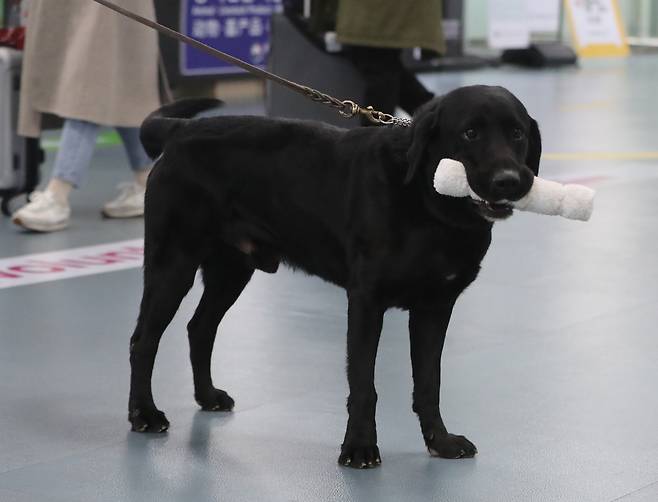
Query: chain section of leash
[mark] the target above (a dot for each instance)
(382, 118)
(349, 109)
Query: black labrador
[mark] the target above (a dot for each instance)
(356, 207)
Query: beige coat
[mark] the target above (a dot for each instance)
(86, 62)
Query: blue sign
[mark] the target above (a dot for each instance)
(240, 28)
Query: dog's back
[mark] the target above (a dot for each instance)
(277, 187)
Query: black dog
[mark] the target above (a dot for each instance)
(356, 208)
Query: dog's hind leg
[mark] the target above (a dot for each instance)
(225, 274)
(168, 275)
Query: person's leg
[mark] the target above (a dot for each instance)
(381, 70)
(49, 210)
(413, 94)
(130, 201)
(140, 163)
(77, 146)
(388, 82)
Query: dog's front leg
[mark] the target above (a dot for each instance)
(364, 325)
(427, 330)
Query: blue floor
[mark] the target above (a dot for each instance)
(550, 368)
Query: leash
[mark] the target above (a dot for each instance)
(346, 108)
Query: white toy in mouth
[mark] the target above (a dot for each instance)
(575, 202)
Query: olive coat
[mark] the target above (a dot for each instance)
(382, 23)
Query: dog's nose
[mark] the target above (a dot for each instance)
(506, 183)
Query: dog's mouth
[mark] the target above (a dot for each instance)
(493, 211)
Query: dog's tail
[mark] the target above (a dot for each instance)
(160, 125)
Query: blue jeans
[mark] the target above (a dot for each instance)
(77, 147)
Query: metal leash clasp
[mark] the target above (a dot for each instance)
(352, 107)
(377, 117)
(374, 116)
(381, 118)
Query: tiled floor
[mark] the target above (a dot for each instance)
(551, 364)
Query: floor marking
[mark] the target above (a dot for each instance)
(65, 264)
(601, 156)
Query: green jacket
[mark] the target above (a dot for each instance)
(382, 23)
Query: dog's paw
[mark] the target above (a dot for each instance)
(360, 457)
(148, 420)
(217, 400)
(450, 446)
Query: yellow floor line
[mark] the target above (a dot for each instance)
(600, 156)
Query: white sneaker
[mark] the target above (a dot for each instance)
(43, 213)
(128, 204)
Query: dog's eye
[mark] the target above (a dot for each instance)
(517, 134)
(470, 135)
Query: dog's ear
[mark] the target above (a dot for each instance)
(425, 127)
(534, 147)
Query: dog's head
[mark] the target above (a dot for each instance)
(488, 130)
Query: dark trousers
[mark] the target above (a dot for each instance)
(388, 83)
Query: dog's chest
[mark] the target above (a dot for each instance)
(444, 267)
(435, 265)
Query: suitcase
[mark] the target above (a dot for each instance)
(12, 20)
(20, 158)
